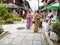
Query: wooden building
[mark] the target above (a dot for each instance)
(19, 6)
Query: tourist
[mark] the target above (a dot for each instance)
(45, 25)
(29, 20)
(36, 19)
(41, 20)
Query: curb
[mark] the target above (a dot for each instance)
(3, 33)
(48, 39)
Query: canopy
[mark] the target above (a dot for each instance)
(50, 7)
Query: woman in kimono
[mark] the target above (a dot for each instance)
(41, 20)
(36, 21)
(29, 20)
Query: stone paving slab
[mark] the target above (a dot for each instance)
(6, 41)
(37, 36)
(6, 44)
(2, 44)
(37, 43)
(27, 42)
(13, 36)
(9, 36)
(29, 36)
(18, 40)
(20, 33)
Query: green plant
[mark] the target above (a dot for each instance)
(17, 19)
(9, 20)
(4, 12)
(56, 28)
(1, 21)
(8, 15)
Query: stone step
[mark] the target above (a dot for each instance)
(48, 39)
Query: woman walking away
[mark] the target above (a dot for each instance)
(29, 20)
(36, 19)
(45, 25)
(41, 20)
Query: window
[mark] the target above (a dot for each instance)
(19, 2)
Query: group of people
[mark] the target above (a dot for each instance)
(37, 19)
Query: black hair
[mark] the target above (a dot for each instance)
(51, 16)
(29, 11)
(50, 10)
(37, 11)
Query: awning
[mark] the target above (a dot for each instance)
(51, 7)
(44, 9)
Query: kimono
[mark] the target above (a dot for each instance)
(29, 21)
(41, 20)
(36, 22)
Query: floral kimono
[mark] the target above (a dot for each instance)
(29, 21)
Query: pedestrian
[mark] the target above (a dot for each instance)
(45, 25)
(29, 19)
(36, 19)
(49, 19)
(41, 20)
(50, 16)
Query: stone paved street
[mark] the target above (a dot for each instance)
(20, 38)
(23, 37)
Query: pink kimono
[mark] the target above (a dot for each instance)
(29, 21)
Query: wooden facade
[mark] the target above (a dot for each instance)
(9, 1)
